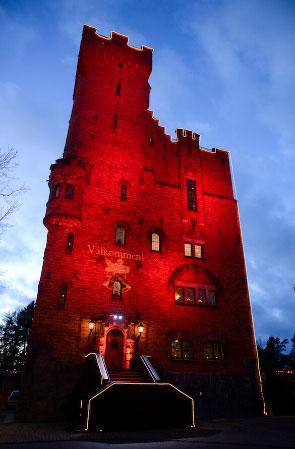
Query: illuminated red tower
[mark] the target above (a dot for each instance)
(144, 252)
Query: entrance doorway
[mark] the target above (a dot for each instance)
(114, 350)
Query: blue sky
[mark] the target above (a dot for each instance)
(225, 69)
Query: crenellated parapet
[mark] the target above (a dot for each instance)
(66, 191)
(188, 137)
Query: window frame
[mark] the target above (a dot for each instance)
(216, 347)
(182, 342)
(70, 242)
(191, 194)
(123, 242)
(117, 296)
(156, 249)
(69, 192)
(54, 191)
(183, 290)
(193, 252)
(123, 193)
(63, 294)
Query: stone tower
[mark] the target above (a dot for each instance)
(144, 252)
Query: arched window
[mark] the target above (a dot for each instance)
(155, 242)
(54, 191)
(213, 351)
(70, 243)
(117, 289)
(182, 349)
(120, 236)
(63, 292)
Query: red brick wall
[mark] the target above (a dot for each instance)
(155, 173)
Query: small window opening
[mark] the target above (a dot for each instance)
(120, 65)
(115, 121)
(191, 194)
(120, 236)
(118, 90)
(155, 242)
(198, 251)
(117, 289)
(123, 192)
(70, 243)
(63, 291)
(179, 295)
(188, 249)
(151, 141)
(69, 191)
(54, 191)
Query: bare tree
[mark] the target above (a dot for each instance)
(9, 193)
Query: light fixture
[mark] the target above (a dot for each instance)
(91, 326)
(140, 328)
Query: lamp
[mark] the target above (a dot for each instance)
(140, 328)
(91, 326)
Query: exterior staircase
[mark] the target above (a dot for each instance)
(126, 376)
(147, 402)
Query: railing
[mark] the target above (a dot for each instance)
(149, 369)
(100, 364)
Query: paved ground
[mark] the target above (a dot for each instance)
(256, 433)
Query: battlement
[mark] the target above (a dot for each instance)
(73, 162)
(115, 38)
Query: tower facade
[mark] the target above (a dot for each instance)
(144, 252)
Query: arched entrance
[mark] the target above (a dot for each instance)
(114, 350)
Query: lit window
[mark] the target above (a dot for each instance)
(117, 289)
(118, 90)
(201, 295)
(155, 242)
(198, 251)
(182, 349)
(69, 191)
(213, 351)
(179, 295)
(123, 192)
(70, 243)
(191, 194)
(54, 191)
(62, 294)
(115, 120)
(120, 236)
(190, 296)
(188, 249)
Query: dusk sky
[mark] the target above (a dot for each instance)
(225, 69)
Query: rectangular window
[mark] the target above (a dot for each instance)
(118, 90)
(62, 294)
(123, 192)
(191, 194)
(188, 249)
(179, 295)
(115, 121)
(69, 191)
(198, 251)
(155, 242)
(211, 298)
(190, 296)
(201, 296)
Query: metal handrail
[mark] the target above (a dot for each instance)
(104, 375)
(149, 368)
